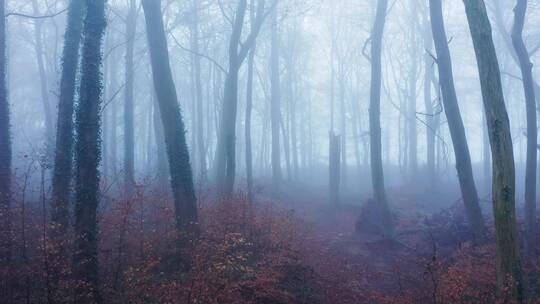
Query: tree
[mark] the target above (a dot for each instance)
(226, 147)
(249, 109)
(87, 153)
(196, 62)
(455, 124)
(62, 172)
(431, 117)
(509, 276)
(129, 137)
(532, 132)
(275, 99)
(40, 60)
(377, 174)
(183, 190)
(5, 165)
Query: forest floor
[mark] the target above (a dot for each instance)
(290, 246)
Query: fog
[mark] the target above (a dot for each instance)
(269, 151)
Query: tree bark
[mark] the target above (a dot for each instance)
(275, 99)
(5, 168)
(509, 276)
(532, 133)
(196, 60)
(431, 127)
(455, 124)
(64, 134)
(129, 137)
(377, 175)
(249, 110)
(173, 125)
(226, 147)
(87, 154)
(47, 109)
(62, 172)
(334, 168)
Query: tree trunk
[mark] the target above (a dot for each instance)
(194, 39)
(47, 109)
(129, 137)
(509, 276)
(5, 168)
(275, 100)
(249, 110)
(334, 168)
(455, 124)
(532, 133)
(62, 172)
(87, 156)
(226, 147)
(412, 80)
(64, 134)
(379, 191)
(431, 128)
(185, 202)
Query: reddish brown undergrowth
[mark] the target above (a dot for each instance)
(255, 253)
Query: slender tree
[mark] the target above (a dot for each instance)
(275, 98)
(455, 123)
(42, 71)
(226, 147)
(532, 133)
(509, 276)
(185, 202)
(87, 153)
(5, 166)
(249, 110)
(62, 172)
(129, 107)
(377, 175)
(431, 116)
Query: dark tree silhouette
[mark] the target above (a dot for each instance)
(455, 123)
(87, 153)
(275, 98)
(62, 172)
(226, 147)
(509, 276)
(526, 65)
(185, 202)
(5, 165)
(129, 137)
(377, 175)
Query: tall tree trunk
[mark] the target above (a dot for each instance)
(47, 109)
(508, 257)
(161, 159)
(412, 80)
(343, 124)
(431, 128)
(226, 147)
(129, 137)
(532, 133)
(455, 124)
(5, 168)
(196, 60)
(334, 167)
(275, 100)
(87, 155)
(183, 190)
(377, 175)
(249, 110)
(62, 172)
